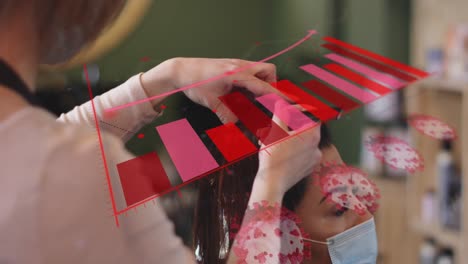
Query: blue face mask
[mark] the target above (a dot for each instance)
(357, 245)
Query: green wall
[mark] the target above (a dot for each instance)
(365, 26)
(178, 28)
(381, 26)
(210, 28)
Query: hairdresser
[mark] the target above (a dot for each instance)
(54, 207)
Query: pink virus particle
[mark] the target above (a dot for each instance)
(347, 187)
(432, 127)
(141, 136)
(161, 109)
(145, 59)
(258, 43)
(270, 234)
(395, 152)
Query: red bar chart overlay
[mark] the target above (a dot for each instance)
(142, 177)
(253, 118)
(190, 156)
(369, 62)
(316, 107)
(332, 96)
(378, 57)
(352, 78)
(231, 142)
(354, 91)
(358, 79)
(388, 80)
(291, 116)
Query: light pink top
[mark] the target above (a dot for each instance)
(54, 203)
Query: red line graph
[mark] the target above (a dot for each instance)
(215, 78)
(101, 146)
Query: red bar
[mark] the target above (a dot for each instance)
(253, 118)
(378, 57)
(231, 142)
(356, 78)
(362, 95)
(369, 62)
(332, 96)
(142, 177)
(319, 109)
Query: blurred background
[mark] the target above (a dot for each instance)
(421, 215)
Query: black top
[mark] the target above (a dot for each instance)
(10, 79)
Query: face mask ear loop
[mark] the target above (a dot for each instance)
(316, 241)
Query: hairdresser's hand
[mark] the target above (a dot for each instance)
(218, 77)
(284, 164)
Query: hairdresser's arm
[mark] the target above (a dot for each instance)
(168, 77)
(125, 122)
(280, 168)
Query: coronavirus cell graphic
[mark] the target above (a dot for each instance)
(270, 234)
(432, 127)
(347, 187)
(396, 153)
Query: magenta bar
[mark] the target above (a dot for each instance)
(190, 156)
(377, 57)
(356, 92)
(386, 79)
(291, 116)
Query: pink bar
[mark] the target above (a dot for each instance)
(190, 156)
(292, 117)
(388, 80)
(341, 84)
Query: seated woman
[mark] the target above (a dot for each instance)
(223, 198)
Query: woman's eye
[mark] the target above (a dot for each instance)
(340, 212)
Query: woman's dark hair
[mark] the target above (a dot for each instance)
(222, 200)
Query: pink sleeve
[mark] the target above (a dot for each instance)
(122, 123)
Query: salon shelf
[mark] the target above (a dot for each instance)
(443, 236)
(437, 83)
(447, 100)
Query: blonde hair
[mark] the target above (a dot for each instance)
(52, 16)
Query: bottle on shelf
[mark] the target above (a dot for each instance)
(429, 207)
(449, 187)
(428, 251)
(445, 256)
